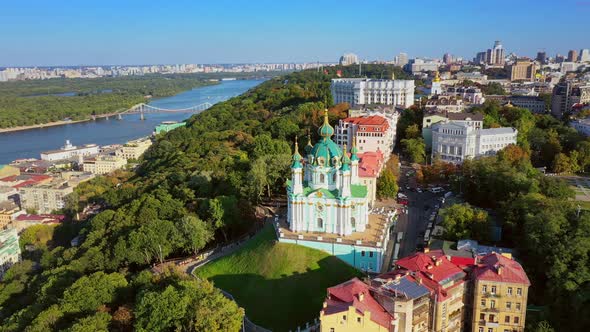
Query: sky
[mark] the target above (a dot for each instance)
(92, 32)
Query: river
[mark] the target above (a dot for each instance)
(30, 143)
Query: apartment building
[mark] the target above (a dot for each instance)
(103, 164)
(45, 198)
(523, 70)
(472, 95)
(134, 149)
(9, 250)
(372, 133)
(365, 91)
(350, 307)
(500, 290)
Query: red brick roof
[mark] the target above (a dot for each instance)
(348, 294)
(510, 270)
(44, 218)
(370, 163)
(369, 123)
(431, 269)
(26, 179)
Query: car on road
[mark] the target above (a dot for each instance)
(437, 190)
(419, 190)
(403, 201)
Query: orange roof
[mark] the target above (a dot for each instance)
(370, 123)
(370, 163)
(433, 269)
(496, 267)
(26, 179)
(356, 293)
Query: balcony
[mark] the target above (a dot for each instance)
(490, 310)
(491, 295)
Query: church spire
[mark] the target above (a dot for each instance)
(353, 150)
(296, 156)
(326, 131)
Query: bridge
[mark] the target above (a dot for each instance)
(143, 109)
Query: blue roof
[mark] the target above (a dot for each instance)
(409, 288)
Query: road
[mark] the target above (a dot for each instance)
(413, 223)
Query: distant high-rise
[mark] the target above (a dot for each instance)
(572, 56)
(584, 55)
(541, 57)
(493, 56)
(559, 58)
(447, 58)
(349, 59)
(523, 70)
(401, 60)
(480, 58)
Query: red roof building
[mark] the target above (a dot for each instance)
(17, 181)
(370, 164)
(498, 268)
(353, 298)
(371, 133)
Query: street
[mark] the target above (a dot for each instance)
(420, 206)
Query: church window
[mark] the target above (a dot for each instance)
(334, 178)
(353, 222)
(320, 223)
(322, 178)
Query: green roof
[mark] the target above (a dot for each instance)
(327, 149)
(358, 191)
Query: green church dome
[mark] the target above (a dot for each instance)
(326, 130)
(325, 151)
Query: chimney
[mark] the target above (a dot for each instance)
(419, 280)
(438, 262)
(325, 305)
(361, 296)
(426, 250)
(500, 268)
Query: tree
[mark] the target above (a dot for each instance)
(462, 221)
(88, 293)
(98, 322)
(562, 164)
(493, 89)
(415, 149)
(551, 147)
(413, 131)
(386, 185)
(195, 232)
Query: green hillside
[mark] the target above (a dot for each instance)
(280, 285)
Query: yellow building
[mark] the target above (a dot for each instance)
(6, 170)
(7, 211)
(134, 149)
(350, 307)
(103, 164)
(523, 70)
(500, 293)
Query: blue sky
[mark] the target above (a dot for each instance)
(61, 32)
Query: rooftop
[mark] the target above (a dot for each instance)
(465, 116)
(370, 164)
(496, 267)
(401, 285)
(497, 131)
(373, 120)
(356, 293)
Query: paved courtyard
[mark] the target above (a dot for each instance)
(581, 185)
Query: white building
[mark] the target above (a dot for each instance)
(472, 95)
(103, 164)
(370, 133)
(69, 151)
(9, 250)
(365, 91)
(401, 59)
(582, 126)
(457, 141)
(134, 149)
(584, 55)
(349, 59)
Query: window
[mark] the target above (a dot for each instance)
(492, 304)
(484, 288)
(353, 222)
(320, 223)
(518, 306)
(363, 253)
(507, 319)
(331, 329)
(344, 317)
(519, 291)
(481, 329)
(370, 254)
(322, 178)
(490, 329)
(334, 178)
(493, 290)
(483, 303)
(358, 320)
(516, 319)
(509, 290)
(508, 305)
(482, 316)
(492, 318)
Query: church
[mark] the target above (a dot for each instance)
(324, 193)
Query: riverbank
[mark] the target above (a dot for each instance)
(54, 124)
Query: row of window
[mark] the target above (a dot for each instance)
(452, 132)
(492, 318)
(493, 290)
(497, 138)
(320, 225)
(481, 329)
(508, 304)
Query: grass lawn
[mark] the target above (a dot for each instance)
(279, 285)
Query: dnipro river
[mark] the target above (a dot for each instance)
(30, 143)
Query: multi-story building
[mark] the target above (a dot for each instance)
(370, 166)
(534, 104)
(8, 210)
(582, 126)
(406, 298)
(401, 59)
(45, 198)
(470, 94)
(500, 291)
(166, 126)
(9, 250)
(474, 120)
(103, 164)
(495, 56)
(421, 65)
(523, 70)
(572, 56)
(372, 133)
(456, 141)
(134, 149)
(446, 282)
(542, 57)
(564, 96)
(69, 151)
(350, 307)
(445, 103)
(584, 55)
(365, 91)
(349, 59)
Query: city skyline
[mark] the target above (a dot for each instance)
(109, 33)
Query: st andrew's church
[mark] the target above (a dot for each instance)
(324, 194)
